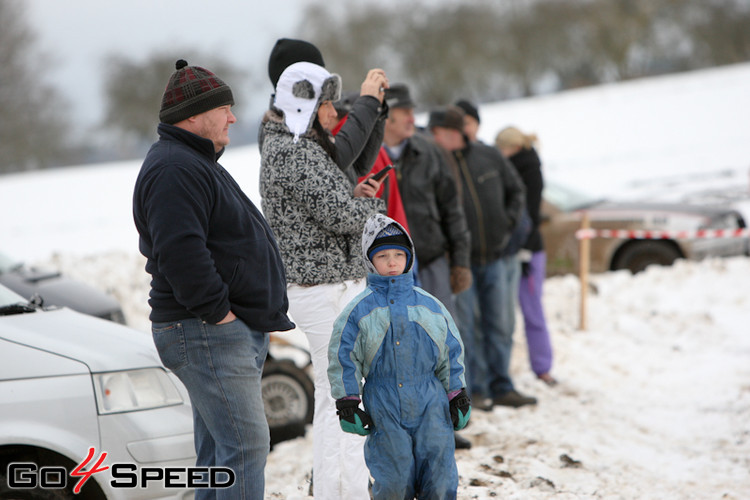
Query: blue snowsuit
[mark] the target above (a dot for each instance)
(405, 345)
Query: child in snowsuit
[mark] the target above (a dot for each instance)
(405, 345)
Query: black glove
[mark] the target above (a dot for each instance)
(351, 418)
(460, 408)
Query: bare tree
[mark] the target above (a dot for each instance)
(721, 31)
(33, 131)
(489, 50)
(134, 90)
(353, 44)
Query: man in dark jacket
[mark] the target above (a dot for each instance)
(493, 199)
(431, 200)
(217, 278)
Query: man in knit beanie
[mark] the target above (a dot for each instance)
(192, 91)
(218, 283)
(471, 119)
(493, 202)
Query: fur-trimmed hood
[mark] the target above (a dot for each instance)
(373, 226)
(301, 89)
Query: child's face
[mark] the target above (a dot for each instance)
(390, 262)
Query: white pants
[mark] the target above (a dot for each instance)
(339, 469)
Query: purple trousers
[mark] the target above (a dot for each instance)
(535, 324)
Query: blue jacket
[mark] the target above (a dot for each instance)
(405, 344)
(208, 248)
(393, 322)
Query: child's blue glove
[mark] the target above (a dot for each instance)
(460, 407)
(351, 418)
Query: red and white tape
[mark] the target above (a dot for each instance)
(583, 234)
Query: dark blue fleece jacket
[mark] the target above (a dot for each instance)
(209, 249)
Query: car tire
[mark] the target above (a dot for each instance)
(637, 256)
(288, 395)
(8, 493)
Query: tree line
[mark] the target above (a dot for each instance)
(490, 51)
(478, 49)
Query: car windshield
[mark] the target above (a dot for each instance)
(8, 297)
(566, 198)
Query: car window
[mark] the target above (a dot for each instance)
(567, 198)
(8, 297)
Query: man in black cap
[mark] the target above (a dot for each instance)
(359, 139)
(432, 204)
(217, 279)
(431, 201)
(493, 201)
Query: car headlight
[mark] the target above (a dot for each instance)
(134, 390)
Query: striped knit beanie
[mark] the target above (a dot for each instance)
(391, 237)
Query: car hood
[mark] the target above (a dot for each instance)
(102, 345)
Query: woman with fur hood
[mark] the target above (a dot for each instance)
(317, 219)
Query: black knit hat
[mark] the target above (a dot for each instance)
(468, 108)
(389, 237)
(288, 51)
(192, 90)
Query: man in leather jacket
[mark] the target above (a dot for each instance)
(431, 200)
(493, 199)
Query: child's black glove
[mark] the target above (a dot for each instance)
(460, 407)
(351, 418)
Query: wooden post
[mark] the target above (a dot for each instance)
(584, 257)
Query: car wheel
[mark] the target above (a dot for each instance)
(637, 256)
(8, 493)
(288, 396)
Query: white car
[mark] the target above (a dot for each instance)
(74, 388)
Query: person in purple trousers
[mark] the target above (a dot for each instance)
(518, 147)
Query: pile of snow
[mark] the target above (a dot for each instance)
(653, 400)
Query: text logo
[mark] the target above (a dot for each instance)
(28, 475)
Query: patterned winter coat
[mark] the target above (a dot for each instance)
(309, 204)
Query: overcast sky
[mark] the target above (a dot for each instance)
(76, 36)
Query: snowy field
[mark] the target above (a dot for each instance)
(654, 396)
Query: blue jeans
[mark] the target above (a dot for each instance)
(486, 318)
(221, 367)
(435, 279)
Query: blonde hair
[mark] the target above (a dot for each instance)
(511, 137)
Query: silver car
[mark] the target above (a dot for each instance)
(77, 394)
(563, 209)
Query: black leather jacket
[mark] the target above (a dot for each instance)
(529, 167)
(493, 196)
(430, 198)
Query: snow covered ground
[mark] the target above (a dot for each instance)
(654, 396)
(653, 401)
